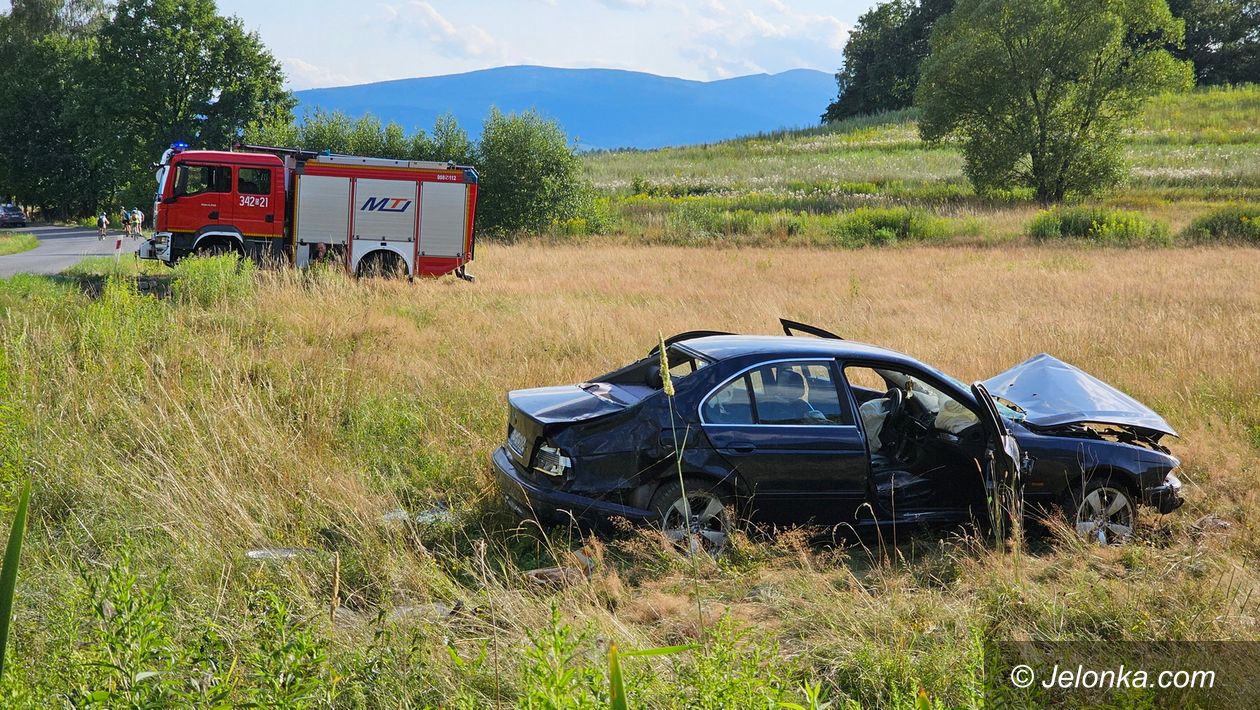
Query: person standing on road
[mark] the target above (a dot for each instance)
(102, 225)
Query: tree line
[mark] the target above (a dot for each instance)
(95, 91)
(530, 176)
(1036, 91)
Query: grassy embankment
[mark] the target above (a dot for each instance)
(166, 438)
(17, 243)
(872, 181)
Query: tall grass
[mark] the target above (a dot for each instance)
(1100, 225)
(306, 409)
(17, 243)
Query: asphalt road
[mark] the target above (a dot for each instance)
(60, 248)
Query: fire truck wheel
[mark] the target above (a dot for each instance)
(382, 265)
(216, 247)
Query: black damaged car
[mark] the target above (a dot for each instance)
(791, 430)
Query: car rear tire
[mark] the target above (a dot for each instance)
(712, 515)
(1101, 511)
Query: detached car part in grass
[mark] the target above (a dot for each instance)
(791, 430)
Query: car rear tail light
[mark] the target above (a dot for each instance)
(550, 461)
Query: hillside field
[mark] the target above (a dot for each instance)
(1187, 155)
(216, 467)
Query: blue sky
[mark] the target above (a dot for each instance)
(339, 42)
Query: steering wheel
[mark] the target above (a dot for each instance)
(889, 434)
(896, 403)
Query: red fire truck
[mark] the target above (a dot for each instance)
(373, 215)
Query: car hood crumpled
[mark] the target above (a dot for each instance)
(1054, 393)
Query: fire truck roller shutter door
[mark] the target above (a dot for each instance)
(384, 219)
(442, 218)
(323, 213)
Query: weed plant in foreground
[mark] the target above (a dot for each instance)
(301, 411)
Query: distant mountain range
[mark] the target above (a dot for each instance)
(599, 108)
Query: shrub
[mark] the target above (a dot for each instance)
(1234, 223)
(531, 178)
(887, 225)
(1098, 224)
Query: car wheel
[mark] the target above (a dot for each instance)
(215, 247)
(1101, 511)
(702, 520)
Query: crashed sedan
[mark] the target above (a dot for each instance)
(793, 430)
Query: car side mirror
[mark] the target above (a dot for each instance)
(169, 200)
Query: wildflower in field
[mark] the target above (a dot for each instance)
(667, 382)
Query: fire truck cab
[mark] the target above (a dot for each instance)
(279, 205)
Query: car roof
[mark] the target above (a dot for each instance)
(722, 347)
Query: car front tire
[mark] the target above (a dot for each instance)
(712, 515)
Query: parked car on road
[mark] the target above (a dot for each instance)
(819, 430)
(12, 216)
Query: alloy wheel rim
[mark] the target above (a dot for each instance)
(707, 529)
(1105, 516)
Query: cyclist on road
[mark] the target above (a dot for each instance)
(137, 223)
(102, 226)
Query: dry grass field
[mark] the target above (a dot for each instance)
(167, 438)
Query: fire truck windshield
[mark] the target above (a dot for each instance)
(161, 180)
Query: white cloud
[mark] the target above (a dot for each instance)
(764, 27)
(302, 74)
(466, 42)
(626, 4)
(729, 37)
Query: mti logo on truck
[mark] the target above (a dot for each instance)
(385, 204)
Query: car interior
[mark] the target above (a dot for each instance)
(925, 446)
(801, 393)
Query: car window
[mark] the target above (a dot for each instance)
(730, 404)
(198, 179)
(926, 403)
(253, 181)
(798, 393)
(681, 364)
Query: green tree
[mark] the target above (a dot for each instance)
(530, 176)
(338, 133)
(1037, 91)
(1222, 39)
(46, 49)
(172, 70)
(882, 57)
